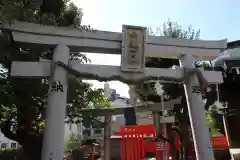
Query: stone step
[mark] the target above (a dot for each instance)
(235, 153)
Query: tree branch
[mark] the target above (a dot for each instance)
(6, 130)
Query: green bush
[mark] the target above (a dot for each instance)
(150, 154)
(71, 143)
(9, 154)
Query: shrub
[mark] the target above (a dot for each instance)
(9, 154)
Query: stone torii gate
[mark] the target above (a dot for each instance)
(134, 46)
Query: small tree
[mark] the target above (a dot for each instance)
(212, 120)
(70, 145)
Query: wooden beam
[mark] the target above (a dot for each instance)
(107, 73)
(110, 42)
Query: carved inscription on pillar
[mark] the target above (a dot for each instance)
(56, 86)
(133, 59)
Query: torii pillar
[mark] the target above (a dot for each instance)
(53, 141)
(197, 115)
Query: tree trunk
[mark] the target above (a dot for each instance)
(31, 150)
(171, 136)
(31, 144)
(185, 139)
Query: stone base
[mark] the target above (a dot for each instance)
(236, 156)
(235, 152)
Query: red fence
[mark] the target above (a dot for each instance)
(133, 145)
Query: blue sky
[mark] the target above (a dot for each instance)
(216, 19)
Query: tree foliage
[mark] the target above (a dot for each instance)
(214, 118)
(23, 101)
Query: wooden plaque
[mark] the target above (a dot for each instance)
(133, 46)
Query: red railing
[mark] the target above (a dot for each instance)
(133, 145)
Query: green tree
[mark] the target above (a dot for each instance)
(174, 30)
(23, 101)
(70, 145)
(215, 119)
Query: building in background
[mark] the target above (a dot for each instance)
(7, 143)
(116, 101)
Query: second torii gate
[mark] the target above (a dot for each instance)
(134, 46)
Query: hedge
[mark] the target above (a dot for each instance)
(9, 154)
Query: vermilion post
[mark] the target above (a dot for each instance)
(123, 146)
(132, 143)
(127, 145)
(134, 135)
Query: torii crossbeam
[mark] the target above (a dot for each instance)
(134, 46)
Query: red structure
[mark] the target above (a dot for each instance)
(134, 146)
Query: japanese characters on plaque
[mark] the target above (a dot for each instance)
(133, 40)
(159, 145)
(56, 86)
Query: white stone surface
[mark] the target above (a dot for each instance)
(53, 139)
(42, 69)
(197, 115)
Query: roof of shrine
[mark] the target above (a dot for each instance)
(231, 53)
